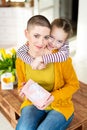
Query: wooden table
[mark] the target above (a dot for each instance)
(80, 102)
(10, 103)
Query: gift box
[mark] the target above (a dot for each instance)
(37, 94)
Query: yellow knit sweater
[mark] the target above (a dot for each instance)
(65, 84)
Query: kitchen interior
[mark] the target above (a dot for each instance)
(14, 15)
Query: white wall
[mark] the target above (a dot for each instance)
(81, 48)
(13, 22)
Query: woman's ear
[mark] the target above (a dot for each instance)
(26, 33)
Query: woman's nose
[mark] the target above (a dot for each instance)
(41, 41)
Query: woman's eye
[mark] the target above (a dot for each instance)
(52, 38)
(36, 36)
(46, 37)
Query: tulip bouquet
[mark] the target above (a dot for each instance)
(7, 61)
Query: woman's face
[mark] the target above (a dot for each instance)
(38, 37)
(57, 38)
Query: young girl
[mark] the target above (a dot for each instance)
(61, 44)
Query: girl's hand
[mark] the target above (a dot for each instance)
(37, 63)
(41, 66)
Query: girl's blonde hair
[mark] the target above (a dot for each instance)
(64, 24)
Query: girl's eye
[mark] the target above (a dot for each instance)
(59, 41)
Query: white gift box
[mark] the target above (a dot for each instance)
(4, 85)
(37, 94)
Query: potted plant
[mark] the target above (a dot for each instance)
(7, 66)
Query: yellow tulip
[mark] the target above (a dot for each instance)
(12, 79)
(8, 56)
(13, 51)
(3, 52)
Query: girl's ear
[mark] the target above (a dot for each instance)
(26, 33)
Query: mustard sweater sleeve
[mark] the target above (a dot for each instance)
(20, 66)
(70, 85)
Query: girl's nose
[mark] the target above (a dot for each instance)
(53, 43)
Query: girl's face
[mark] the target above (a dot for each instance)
(57, 38)
(38, 37)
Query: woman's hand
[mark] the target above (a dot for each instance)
(47, 103)
(20, 92)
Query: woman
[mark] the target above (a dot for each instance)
(57, 78)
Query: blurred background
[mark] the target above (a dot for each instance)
(15, 13)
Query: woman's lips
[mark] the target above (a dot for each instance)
(39, 47)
